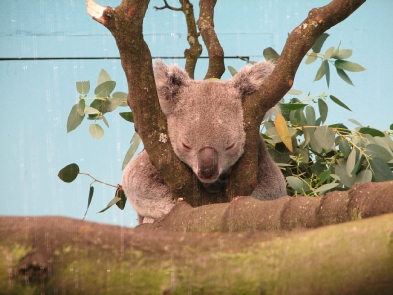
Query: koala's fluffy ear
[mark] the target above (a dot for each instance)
(249, 78)
(169, 81)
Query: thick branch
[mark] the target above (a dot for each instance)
(52, 255)
(280, 81)
(125, 24)
(214, 49)
(246, 213)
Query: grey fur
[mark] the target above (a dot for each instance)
(205, 124)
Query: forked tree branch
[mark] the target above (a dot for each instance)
(214, 49)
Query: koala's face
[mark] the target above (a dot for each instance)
(205, 118)
(206, 129)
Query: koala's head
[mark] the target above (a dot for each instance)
(205, 118)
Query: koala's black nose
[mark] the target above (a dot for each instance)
(207, 163)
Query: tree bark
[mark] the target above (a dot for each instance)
(125, 23)
(57, 255)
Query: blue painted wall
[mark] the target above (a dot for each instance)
(37, 95)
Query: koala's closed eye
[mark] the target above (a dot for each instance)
(230, 147)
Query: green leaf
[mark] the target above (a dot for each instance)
(128, 116)
(327, 72)
(310, 115)
(286, 107)
(91, 111)
(371, 131)
(340, 170)
(391, 127)
(343, 54)
(343, 75)
(81, 107)
(232, 70)
(344, 147)
(375, 150)
(74, 119)
(364, 176)
(321, 71)
(381, 170)
(355, 122)
(311, 58)
(348, 66)
(341, 128)
(111, 104)
(103, 77)
(96, 131)
(351, 161)
(326, 187)
(328, 53)
(325, 175)
(110, 204)
(135, 141)
(69, 173)
(91, 192)
(319, 43)
(83, 87)
(298, 185)
(270, 54)
(105, 121)
(339, 102)
(358, 165)
(323, 109)
(325, 137)
(105, 89)
(123, 199)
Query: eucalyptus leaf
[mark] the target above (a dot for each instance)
(123, 199)
(355, 122)
(303, 153)
(122, 96)
(310, 115)
(351, 161)
(381, 170)
(348, 66)
(321, 71)
(311, 58)
(270, 54)
(375, 151)
(326, 187)
(294, 92)
(128, 116)
(103, 76)
(105, 121)
(328, 53)
(371, 131)
(112, 103)
(297, 184)
(343, 54)
(343, 75)
(327, 72)
(83, 87)
(314, 143)
(69, 173)
(358, 165)
(339, 102)
(340, 170)
(325, 137)
(344, 147)
(319, 43)
(340, 128)
(283, 132)
(74, 119)
(364, 176)
(232, 70)
(323, 109)
(105, 89)
(96, 131)
(286, 107)
(325, 175)
(91, 111)
(81, 107)
(110, 204)
(135, 141)
(91, 192)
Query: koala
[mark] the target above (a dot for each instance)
(205, 126)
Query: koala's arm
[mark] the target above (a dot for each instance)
(146, 190)
(271, 182)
